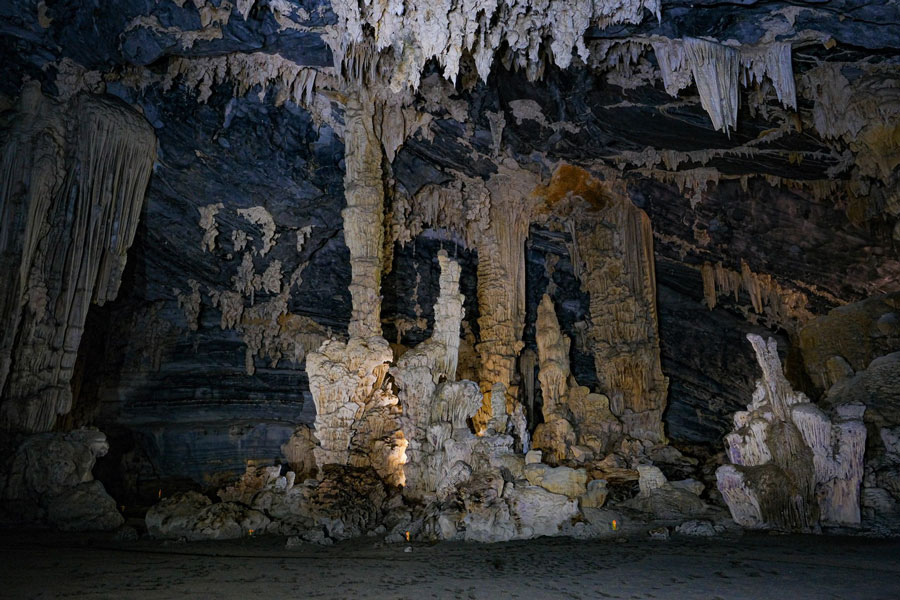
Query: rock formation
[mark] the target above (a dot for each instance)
(612, 250)
(49, 481)
(388, 247)
(792, 466)
(73, 182)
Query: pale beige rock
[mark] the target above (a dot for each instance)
(651, 478)
(595, 496)
(533, 457)
(558, 480)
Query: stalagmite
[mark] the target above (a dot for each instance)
(435, 406)
(578, 425)
(70, 201)
(791, 465)
(555, 436)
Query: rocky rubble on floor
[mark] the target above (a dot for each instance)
(49, 481)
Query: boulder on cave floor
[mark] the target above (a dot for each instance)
(49, 481)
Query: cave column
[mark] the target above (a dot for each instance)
(363, 216)
(619, 274)
(357, 416)
(501, 294)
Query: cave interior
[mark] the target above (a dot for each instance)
(471, 271)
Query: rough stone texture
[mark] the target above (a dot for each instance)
(73, 181)
(848, 338)
(784, 215)
(193, 517)
(877, 388)
(558, 480)
(49, 481)
(792, 465)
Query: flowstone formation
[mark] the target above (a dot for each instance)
(792, 466)
(72, 183)
(612, 250)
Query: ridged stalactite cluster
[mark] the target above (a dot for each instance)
(73, 182)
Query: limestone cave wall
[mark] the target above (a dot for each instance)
(621, 193)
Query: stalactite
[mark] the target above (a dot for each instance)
(716, 69)
(292, 81)
(408, 35)
(208, 225)
(363, 229)
(83, 211)
(259, 216)
(778, 304)
(190, 303)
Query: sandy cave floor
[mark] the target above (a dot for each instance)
(53, 565)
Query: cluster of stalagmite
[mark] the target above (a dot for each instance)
(792, 466)
(72, 184)
(436, 407)
(578, 425)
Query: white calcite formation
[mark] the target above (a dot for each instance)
(72, 182)
(718, 69)
(411, 34)
(792, 466)
(578, 424)
(435, 406)
(356, 413)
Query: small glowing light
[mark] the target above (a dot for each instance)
(249, 532)
(407, 536)
(160, 494)
(615, 524)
